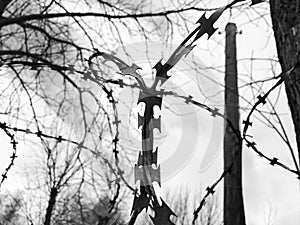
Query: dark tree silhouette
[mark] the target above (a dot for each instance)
(48, 101)
(48, 106)
(286, 26)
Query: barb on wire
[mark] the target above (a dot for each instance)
(118, 172)
(188, 100)
(262, 100)
(125, 70)
(144, 172)
(205, 27)
(210, 191)
(13, 156)
(250, 144)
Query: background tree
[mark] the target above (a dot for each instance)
(40, 95)
(183, 201)
(66, 121)
(286, 26)
(10, 209)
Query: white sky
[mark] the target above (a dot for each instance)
(267, 190)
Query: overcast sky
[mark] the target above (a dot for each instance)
(267, 190)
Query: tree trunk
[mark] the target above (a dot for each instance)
(286, 25)
(3, 5)
(50, 207)
(233, 197)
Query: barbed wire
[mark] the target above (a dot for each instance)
(250, 144)
(215, 112)
(118, 172)
(143, 169)
(14, 153)
(91, 74)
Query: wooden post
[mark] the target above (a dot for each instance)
(233, 197)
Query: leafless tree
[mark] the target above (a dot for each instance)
(286, 25)
(46, 103)
(46, 106)
(184, 200)
(10, 209)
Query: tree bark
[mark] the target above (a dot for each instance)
(233, 197)
(3, 5)
(286, 25)
(50, 207)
